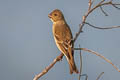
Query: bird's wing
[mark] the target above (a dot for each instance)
(63, 38)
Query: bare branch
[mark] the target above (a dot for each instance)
(111, 3)
(89, 12)
(97, 54)
(100, 76)
(103, 11)
(100, 27)
(60, 58)
(90, 4)
(114, 5)
(80, 64)
(49, 67)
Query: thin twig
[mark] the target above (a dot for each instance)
(111, 3)
(97, 54)
(100, 27)
(100, 76)
(80, 64)
(103, 11)
(49, 67)
(114, 5)
(90, 4)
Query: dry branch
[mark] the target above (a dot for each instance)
(49, 67)
(101, 27)
(103, 11)
(60, 57)
(80, 65)
(97, 54)
(89, 12)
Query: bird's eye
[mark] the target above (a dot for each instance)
(55, 14)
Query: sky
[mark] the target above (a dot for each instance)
(27, 45)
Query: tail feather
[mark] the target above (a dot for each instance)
(72, 66)
(70, 58)
(71, 63)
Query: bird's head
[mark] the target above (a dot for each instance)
(56, 15)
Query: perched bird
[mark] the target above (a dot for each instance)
(63, 38)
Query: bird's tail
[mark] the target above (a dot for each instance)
(72, 66)
(71, 62)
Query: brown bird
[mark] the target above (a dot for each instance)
(63, 38)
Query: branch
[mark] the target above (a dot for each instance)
(60, 58)
(89, 12)
(90, 4)
(97, 54)
(86, 76)
(114, 5)
(103, 11)
(49, 67)
(80, 64)
(100, 27)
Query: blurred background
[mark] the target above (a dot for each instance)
(27, 45)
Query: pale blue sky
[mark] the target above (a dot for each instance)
(27, 45)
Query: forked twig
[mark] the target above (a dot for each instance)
(90, 11)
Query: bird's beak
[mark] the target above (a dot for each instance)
(49, 15)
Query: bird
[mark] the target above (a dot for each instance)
(63, 38)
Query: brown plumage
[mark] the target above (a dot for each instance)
(63, 37)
